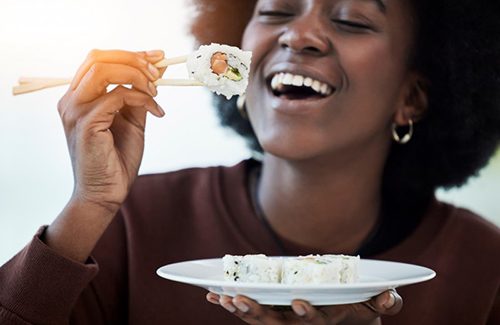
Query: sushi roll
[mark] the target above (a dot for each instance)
(252, 268)
(350, 269)
(223, 69)
(316, 269)
(311, 269)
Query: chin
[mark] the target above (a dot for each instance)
(289, 148)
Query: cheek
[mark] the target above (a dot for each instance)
(374, 74)
(248, 37)
(375, 63)
(253, 39)
(261, 40)
(250, 43)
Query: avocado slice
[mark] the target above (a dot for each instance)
(233, 74)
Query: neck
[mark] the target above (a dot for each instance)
(329, 205)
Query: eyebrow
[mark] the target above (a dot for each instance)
(379, 3)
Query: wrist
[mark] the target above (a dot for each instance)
(95, 204)
(78, 227)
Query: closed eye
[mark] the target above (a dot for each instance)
(351, 25)
(274, 13)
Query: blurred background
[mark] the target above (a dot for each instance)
(51, 39)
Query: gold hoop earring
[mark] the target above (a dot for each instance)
(407, 137)
(240, 104)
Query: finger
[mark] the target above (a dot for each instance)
(152, 56)
(299, 308)
(122, 97)
(101, 75)
(107, 106)
(311, 315)
(104, 110)
(387, 303)
(162, 71)
(253, 313)
(117, 57)
(227, 303)
(213, 298)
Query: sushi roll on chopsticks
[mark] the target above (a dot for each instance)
(223, 69)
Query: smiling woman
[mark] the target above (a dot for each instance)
(357, 110)
(340, 46)
(419, 167)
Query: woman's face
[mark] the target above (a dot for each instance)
(328, 76)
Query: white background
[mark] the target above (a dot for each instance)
(51, 39)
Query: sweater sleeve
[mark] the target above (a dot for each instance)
(39, 286)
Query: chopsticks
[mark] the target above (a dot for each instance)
(172, 61)
(28, 84)
(31, 84)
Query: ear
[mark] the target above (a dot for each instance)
(413, 101)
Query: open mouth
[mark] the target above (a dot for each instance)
(298, 87)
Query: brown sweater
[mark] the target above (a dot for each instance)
(205, 213)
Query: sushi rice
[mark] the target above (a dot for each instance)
(311, 269)
(199, 68)
(252, 268)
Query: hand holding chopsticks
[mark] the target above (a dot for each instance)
(31, 84)
(222, 69)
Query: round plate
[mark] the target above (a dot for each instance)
(374, 278)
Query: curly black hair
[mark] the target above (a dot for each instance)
(457, 50)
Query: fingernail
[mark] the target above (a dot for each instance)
(155, 53)
(229, 308)
(212, 299)
(161, 110)
(242, 306)
(154, 71)
(389, 303)
(152, 89)
(299, 310)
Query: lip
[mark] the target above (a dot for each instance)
(297, 106)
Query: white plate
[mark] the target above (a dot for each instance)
(375, 277)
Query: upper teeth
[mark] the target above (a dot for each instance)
(289, 79)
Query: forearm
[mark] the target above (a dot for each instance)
(77, 229)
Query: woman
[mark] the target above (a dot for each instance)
(405, 105)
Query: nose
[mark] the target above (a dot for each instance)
(306, 35)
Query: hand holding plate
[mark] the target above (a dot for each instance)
(301, 312)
